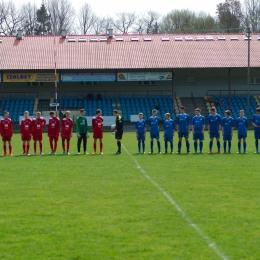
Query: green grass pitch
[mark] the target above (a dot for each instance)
(121, 207)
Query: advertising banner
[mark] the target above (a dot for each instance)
(144, 76)
(87, 77)
(30, 77)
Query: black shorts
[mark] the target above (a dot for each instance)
(119, 134)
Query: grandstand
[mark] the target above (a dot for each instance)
(131, 72)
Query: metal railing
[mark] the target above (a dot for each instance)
(235, 92)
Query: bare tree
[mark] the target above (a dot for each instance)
(86, 18)
(252, 14)
(62, 15)
(30, 17)
(125, 22)
(11, 18)
(101, 25)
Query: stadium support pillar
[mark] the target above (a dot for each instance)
(60, 90)
(248, 31)
(116, 82)
(173, 96)
(2, 92)
(229, 89)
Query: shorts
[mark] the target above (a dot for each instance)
(26, 138)
(214, 135)
(118, 134)
(227, 137)
(156, 136)
(97, 135)
(168, 138)
(51, 138)
(198, 136)
(6, 138)
(257, 133)
(140, 137)
(67, 137)
(183, 134)
(242, 136)
(37, 138)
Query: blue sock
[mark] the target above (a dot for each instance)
(239, 146)
(195, 146)
(151, 146)
(166, 146)
(139, 146)
(171, 144)
(179, 146)
(210, 145)
(244, 146)
(218, 144)
(225, 146)
(201, 146)
(229, 146)
(159, 146)
(143, 143)
(256, 144)
(187, 146)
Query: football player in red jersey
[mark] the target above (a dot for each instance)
(53, 131)
(26, 130)
(66, 131)
(38, 124)
(6, 131)
(97, 126)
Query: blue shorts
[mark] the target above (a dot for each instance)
(183, 134)
(140, 137)
(257, 133)
(241, 136)
(227, 137)
(168, 138)
(214, 135)
(156, 136)
(198, 136)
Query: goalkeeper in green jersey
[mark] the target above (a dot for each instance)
(82, 130)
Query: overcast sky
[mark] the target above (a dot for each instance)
(111, 7)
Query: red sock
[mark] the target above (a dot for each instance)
(28, 148)
(4, 148)
(101, 147)
(55, 144)
(68, 145)
(35, 146)
(10, 149)
(23, 148)
(63, 145)
(51, 145)
(40, 147)
(95, 147)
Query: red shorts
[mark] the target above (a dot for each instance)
(6, 138)
(37, 138)
(26, 138)
(67, 137)
(51, 138)
(97, 135)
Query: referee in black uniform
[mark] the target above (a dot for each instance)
(118, 130)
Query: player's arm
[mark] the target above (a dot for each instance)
(136, 129)
(145, 128)
(21, 127)
(203, 128)
(173, 127)
(246, 123)
(93, 123)
(72, 123)
(192, 126)
(253, 122)
(188, 121)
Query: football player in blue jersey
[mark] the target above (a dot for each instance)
(256, 124)
(227, 130)
(154, 123)
(198, 126)
(169, 128)
(214, 126)
(140, 129)
(183, 128)
(241, 124)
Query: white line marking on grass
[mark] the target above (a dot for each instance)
(210, 243)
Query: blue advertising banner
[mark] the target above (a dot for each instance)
(87, 77)
(144, 76)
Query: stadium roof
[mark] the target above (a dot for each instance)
(128, 51)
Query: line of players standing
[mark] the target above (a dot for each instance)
(34, 128)
(216, 125)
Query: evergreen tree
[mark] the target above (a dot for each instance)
(43, 24)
